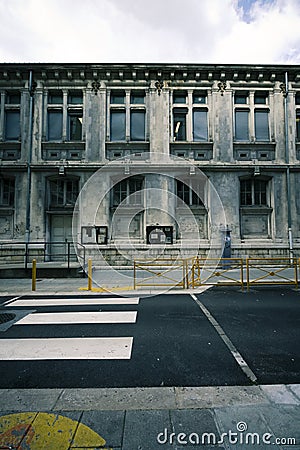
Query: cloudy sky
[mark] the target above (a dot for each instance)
(186, 31)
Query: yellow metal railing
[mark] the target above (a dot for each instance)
(161, 272)
(272, 271)
(221, 272)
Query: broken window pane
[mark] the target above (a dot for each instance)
(75, 126)
(179, 123)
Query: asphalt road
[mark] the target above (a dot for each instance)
(173, 342)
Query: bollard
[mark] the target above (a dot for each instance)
(33, 275)
(90, 269)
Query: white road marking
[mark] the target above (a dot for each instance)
(11, 300)
(66, 348)
(78, 317)
(235, 353)
(76, 301)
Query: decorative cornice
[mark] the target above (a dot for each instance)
(95, 87)
(159, 85)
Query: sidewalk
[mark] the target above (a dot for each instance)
(152, 418)
(78, 286)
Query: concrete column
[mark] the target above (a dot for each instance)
(2, 114)
(277, 116)
(159, 120)
(65, 114)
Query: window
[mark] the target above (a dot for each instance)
(55, 125)
(179, 124)
(261, 120)
(179, 97)
(64, 116)
(137, 125)
(128, 191)
(260, 98)
(253, 192)
(241, 98)
(55, 98)
(251, 121)
(200, 132)
(187, 194)
(298, 124)
(117, 125)
(199, 97)
(189, 119)
(117, 98)
(12, 125)
(242, 125)
(137, 98)
(75, 98)
(13, 98)
(74, 126)
(127, 122)
(63, 193)
(7, 192)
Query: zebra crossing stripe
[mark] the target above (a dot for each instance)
(75, 301)
(78, 317)
(66, 348)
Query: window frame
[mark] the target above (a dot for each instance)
(188, 111)
(254, 191)
(127, 110)
(60, 102)
(64, 193)
(128, 191)
(254, 108)
(11, 194)
(186, 191)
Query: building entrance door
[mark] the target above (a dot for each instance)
(61, 235)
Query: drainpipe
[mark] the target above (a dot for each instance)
(287, 159)
(30, 136)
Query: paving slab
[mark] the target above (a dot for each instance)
(295, 388)
(193, 427)
(244, 426)
(283, 420)
(28, 399)
(142, 429)
(116, 399)
(108, 424)
(280, 394)
(209, 397)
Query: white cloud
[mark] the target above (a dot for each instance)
(272, 36)
(200, 31)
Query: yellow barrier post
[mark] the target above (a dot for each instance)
(187, 274)
(296, 273)
(242, 274)
(33, 275)
(90, 269)
(248, 274)
(134, 275)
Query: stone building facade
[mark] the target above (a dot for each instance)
(138, 124)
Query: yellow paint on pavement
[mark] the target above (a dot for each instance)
(43, 431)
(111, 289)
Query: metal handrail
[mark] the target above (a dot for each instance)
(25, 252)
